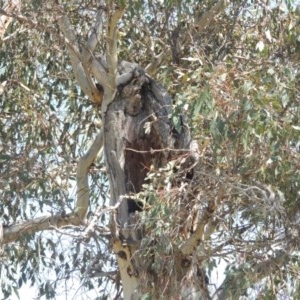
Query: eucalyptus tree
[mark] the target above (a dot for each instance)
(184, 115)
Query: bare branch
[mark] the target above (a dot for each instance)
(79, 62)
(95, 66)
(111, 57)
(94, 37)
(156, 62)
(98, 70)
(100, 211)
(81, 72)
(192, 243)
(205, 227)
(210, 16)
(13, 232)
(16, 231)
(82, 178)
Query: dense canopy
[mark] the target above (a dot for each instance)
(232, 70)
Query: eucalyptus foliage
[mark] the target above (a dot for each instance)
(235, 79)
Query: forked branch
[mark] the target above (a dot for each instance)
(78, 61)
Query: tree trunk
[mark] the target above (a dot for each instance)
(139, 136)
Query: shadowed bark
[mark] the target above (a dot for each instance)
(139, 136)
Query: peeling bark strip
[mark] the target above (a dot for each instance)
(137, 124)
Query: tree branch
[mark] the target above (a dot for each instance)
(98, 70)
(13, 232)
(192, 243)
(79, 62)
(81, 72)
(95, 66)
(209, 17)
(94, 37)
(16, 231)
(111, 57)
(82, 178)
(205, 227)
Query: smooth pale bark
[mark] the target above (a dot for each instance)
(110, 88)
(82, 62)
(127, 271)
(80, 70)
(15, 231)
